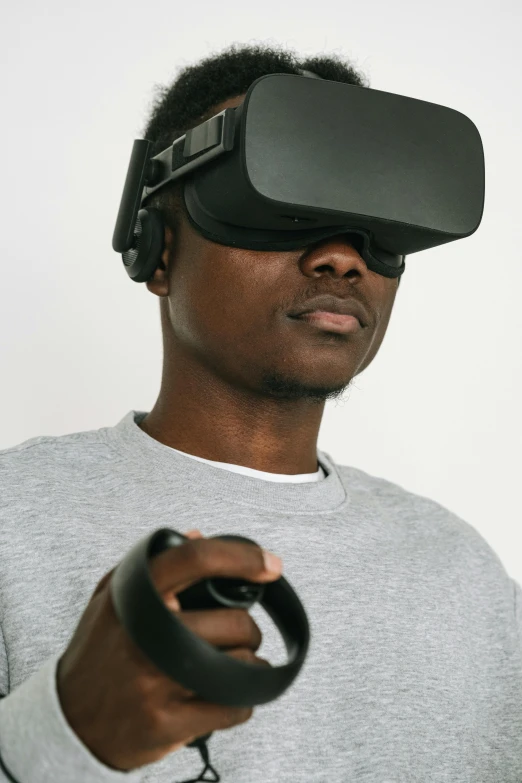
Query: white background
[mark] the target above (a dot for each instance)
(438, 411)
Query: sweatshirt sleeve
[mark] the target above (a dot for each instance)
(37, 745)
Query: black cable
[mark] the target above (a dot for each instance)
(201, 744)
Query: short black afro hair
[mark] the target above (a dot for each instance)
(198, 89)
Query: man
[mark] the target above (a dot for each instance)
(415, 666)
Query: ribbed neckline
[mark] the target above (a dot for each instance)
(127, 439)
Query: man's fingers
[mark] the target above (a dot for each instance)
(171, 601)
(177, 568)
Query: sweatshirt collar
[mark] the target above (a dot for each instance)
(146, 454)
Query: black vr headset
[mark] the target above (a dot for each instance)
(303, 159)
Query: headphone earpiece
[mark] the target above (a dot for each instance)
(142, 258)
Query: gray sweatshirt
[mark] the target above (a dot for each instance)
(414, 671)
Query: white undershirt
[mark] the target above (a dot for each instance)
(261, 474)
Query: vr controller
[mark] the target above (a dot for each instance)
(190, 660)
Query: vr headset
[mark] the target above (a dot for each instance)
(303, 159)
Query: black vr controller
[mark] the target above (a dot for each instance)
(189, 660)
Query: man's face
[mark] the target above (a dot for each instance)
(228, 308)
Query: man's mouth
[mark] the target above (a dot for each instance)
(330, 322)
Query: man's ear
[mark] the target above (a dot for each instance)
(159, 282)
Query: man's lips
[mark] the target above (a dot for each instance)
(333, 306)
(330, 322)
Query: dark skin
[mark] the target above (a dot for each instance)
(242, 383)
